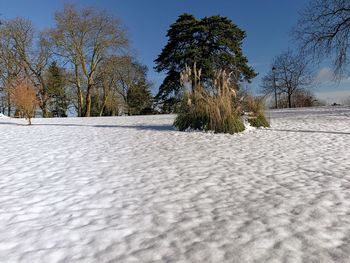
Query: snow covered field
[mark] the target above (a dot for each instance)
(132, 189)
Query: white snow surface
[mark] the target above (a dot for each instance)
(133, 189)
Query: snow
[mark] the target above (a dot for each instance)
(133, 189)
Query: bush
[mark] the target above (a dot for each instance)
(255, 108)
(24, 96)
(258, 121)
(200, 111)
(216, 108)
(191, 114)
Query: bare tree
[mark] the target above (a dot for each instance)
(9, 66)
(83, 39)
(31, 55)
(129, 74)
(324, 30)
(269, 87)
(106, 86)
(301, 98)
(119, 78)
(291, 73)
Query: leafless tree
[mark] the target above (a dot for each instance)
(301, 98)
(106, 87)
(129, 75)
(30, 54)
(324, 30)
(9, 67)
(117, 76)
(269, 87)
(83, 39)
(291, 73)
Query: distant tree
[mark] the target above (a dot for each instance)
(25, 99)
(56, 89)
(10, 69)
(121, 87)
(269, 87)
(140, 99)
(83, 39)
(301, 98)
(291, 74)
(214, 43)
(131, 81)
(31, 54)
(106, 100)
(346, 101)
(324, 30)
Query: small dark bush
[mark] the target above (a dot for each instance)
(256, 109)
(259, 121)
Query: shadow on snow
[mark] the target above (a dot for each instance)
(137, 127)
(311, 131)
(158, 127)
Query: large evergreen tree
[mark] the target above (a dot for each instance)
(212, 43)
(58, 99)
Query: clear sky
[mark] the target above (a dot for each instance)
(268, 24)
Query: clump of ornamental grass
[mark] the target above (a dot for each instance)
(255, 109)
(216, 110)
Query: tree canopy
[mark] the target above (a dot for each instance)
(212, 43)
(324, 31)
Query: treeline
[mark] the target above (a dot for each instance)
(83, 65)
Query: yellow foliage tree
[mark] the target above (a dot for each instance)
(25, 99)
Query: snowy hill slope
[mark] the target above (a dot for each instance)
(132, 189)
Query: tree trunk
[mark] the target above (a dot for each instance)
(104, 102)
(101, 111)
(88, 98)
(8, 105)
(45, 110)
(103, 107)
(88, 104)
(80, 103)
(289, 100)
(79, 91)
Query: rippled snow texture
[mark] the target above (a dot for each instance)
(132, 189)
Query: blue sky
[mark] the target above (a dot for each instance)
(268, 24)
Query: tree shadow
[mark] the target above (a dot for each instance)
(137, 127)
(311, 131)
(164, 127)
(13, 123)
(140, 127)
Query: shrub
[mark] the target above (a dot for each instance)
(255, 108)
(258, 121)
(210, 111)
(24, 96)
(216, 107)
